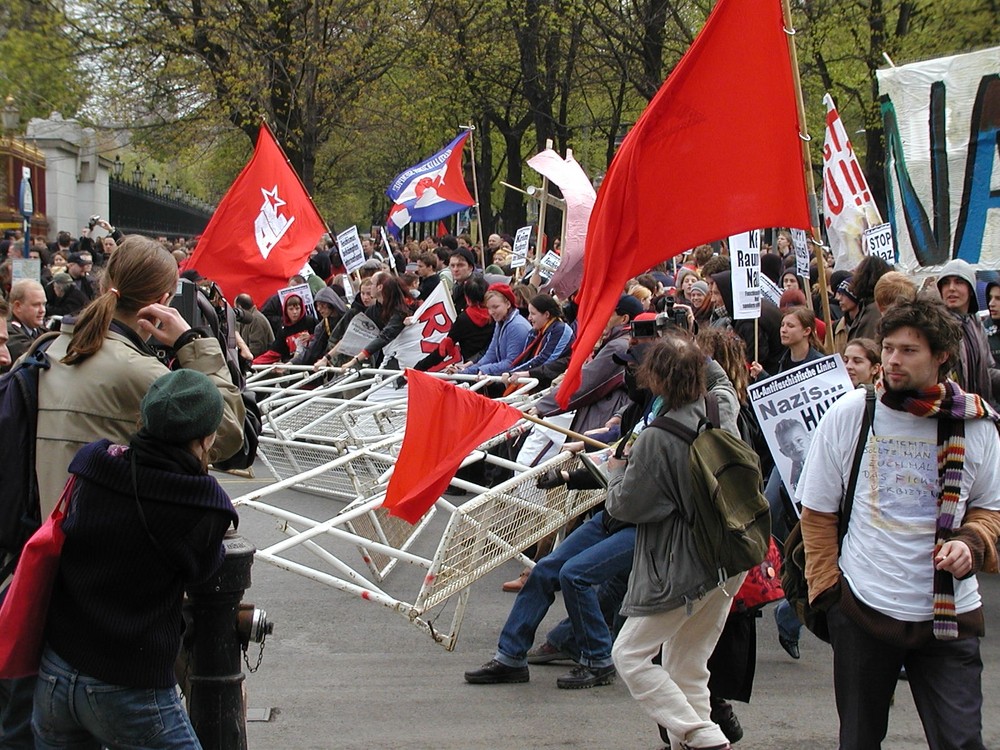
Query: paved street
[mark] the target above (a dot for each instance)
(343, 673)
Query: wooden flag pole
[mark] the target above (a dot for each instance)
(565, 431)
(542, 207)
(475, 188)
(804, 137)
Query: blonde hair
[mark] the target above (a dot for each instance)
(139, 273)
(892, 288)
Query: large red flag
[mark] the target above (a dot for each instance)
(716, 153)
(443, 425)
(263, 230)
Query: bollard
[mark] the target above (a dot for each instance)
(215, 646)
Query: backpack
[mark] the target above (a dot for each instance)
(19, 507)
(732, 520)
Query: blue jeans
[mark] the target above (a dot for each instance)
(79, 712)
(609, 595)
(789, 625)
(586, 558)
(15, 713)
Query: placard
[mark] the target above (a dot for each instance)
(790, 405)
(877, 241)
(351, 252)
(802, 255)
(521, 241)
(744, 254)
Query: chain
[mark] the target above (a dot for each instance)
(260, 656)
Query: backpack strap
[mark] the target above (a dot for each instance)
(867, 423)
(712, 410)
(676, 428)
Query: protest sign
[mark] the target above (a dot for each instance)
(877, 241)
(744, 252)
(770, 290)
(304, 293)
(789, 406)
(25, 268)
(801, 253)
(351, 252)
(359, 332)
(521, 240)
(424, 329)
(550, 262)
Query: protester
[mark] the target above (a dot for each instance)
(251, 325)
(790, 280)
(892, 288)
(469, 335)
(330, 308)
(78, 266)
(863, 323)
(510, 335)
(900, 590)
(862, 360)
(675, 605)
(761, 335)
(991, 323)
(798, 336)
(296, 328)
(552, 336)
(388, 313)
(62, 297)
(145, 521)
(462, 264)
(106, 345)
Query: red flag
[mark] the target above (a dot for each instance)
(443, 425)
(263, 230)
(442, 229)
(716, 153)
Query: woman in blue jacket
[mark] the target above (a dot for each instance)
(510, 336)
(552, 336)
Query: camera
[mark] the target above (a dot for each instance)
(93, 220)
(669, 318)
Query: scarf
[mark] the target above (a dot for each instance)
(478, 314)
(951, 406)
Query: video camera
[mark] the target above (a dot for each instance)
(671, 317)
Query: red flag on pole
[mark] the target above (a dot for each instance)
(263, 230)
(443, 425)
(715, 153)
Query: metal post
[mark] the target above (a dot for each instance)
(214, 647)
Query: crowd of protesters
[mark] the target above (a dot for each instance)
(925, 344)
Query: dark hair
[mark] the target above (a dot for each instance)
(474, 289)
(866, 275)
(714, 265)
(449, 242)
(787, 425)
(869, 347)
(546, 303)
(244, 301)
(394, 296)
(791, 272)
(674, 368)
(139, 273)
(647, 281)
(928, 315)
(728, 349)
(428, 259)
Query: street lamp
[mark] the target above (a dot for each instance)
(178, 192)
(153, 182)
(137, 174)
(118, 167)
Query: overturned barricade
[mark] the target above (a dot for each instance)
(313, 444)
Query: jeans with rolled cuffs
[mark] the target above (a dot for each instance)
(586, 558)
(75, 712)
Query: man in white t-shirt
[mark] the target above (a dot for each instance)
(902, 590)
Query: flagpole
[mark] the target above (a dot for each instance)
(804, 137)
(542, 207)
(475, 187)
(569, 433)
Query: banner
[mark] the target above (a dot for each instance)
(579, 195)
(789, 406)
(941, 132)
(431, 190)
(424, 329)
(848, 207)
(744, 254)
(264, 229)
(519, 256)
(878, 241)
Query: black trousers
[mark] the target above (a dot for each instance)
(944, 677)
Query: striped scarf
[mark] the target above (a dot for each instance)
(951, 406)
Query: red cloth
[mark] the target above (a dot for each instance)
(716, 153)
(263, 230)
(443, 425)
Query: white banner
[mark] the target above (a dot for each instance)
(941, 160)
(848, 207)
(522, 239)
(770, 290)
(789, 406)
(424, 329)
(351, 252)
(744, 253)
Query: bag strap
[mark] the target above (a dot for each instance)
(676, 428)
(867, 424)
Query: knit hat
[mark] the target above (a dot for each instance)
(681, 273)
(181, 406)
(503, 289)
(62, 278)
(628, 305)
(466, 253)
(847, 291)
(700, 286)
(966, 273)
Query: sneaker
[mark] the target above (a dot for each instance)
(494, 673)
(546, 653)
(585, 677)
(723, 715)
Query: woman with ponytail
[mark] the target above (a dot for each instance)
(102, 365)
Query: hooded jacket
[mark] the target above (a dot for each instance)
(769, 343)
(320, 342)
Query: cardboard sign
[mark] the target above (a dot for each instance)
(351, 252)
(877, 241)
(744, 254)
(790, 405)
(521, 241)
(802, 258)
(550, 262)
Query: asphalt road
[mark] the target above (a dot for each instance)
(340, 672)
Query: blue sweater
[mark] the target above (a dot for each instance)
(556, 340)
(509, 339)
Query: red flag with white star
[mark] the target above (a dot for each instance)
(263, 230)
